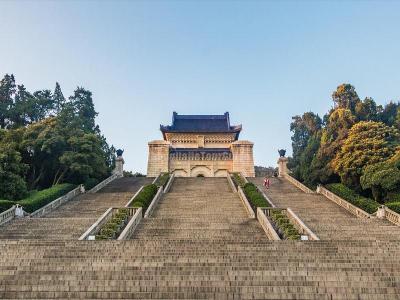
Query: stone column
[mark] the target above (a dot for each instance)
(119, 166)
(242, 160)
(158, 158)
(282, 166)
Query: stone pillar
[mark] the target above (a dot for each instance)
(242, 160)
(158, 160)
(119, 166)
(381, 212)
(282, 166)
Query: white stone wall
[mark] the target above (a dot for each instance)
(158, 158)
(243, 158)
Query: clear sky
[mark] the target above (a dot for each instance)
(263, 61)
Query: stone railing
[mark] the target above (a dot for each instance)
(96, 226)
(155, 179)
(266, 224)
(231, 184)
(170, 181)
(9, 214)
(56, 203)
(134, 196)
(154, 202)
(384, 212)
(300, 226)
(266, 197)
(131, 226)
(246, 203)
(244, 177)
(293, 218)
(358, 212)
(104, 183)
(298, 184)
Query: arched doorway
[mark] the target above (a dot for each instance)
(201, 170)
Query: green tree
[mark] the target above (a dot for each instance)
(12, 170)
(58, 99)
(7, 92)
(367, 143)
(83, 107)
(389, 113)
(367, 110)
(338, 125)
(346, 97)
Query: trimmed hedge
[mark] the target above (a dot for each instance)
(113, 227)
(163, 180)
(395, 206)
(238, 180)
(366, 204)
(254, 196)
(285, 227)
(6, 204)
(38, 199)
(143, 199)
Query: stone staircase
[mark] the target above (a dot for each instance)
(325, 218)
(200, 208)
(71, 219)
(199, 244)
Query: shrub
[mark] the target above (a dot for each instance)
(6, 204)
(366, 204)
(395, 206)
(90, 183)
(238, 180)
(38, 199)
(145, 196)
(254, 196)
(162, 180)
(113, 227)
(286, 228)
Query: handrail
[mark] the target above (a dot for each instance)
(131, 226)
(358, 212)
(392, 216)
(266, 197)
(246, 203)
(7, 215)
(266, 225)
(134, 196)
(244, 177)
(298, 184)
(104, 183)
(155, 179)
(57, 202)
(231, 184)
(96, 226)
(300, 225)
(169, 184)
(154, 202)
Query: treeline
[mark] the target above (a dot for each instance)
(356, 143)
(46, 139)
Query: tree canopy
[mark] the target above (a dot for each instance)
(46, 139)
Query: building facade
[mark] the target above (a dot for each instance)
(200, 145)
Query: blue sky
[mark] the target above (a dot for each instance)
(263, 61)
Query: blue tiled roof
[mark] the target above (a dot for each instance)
(201, 124)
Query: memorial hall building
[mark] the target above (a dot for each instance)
(200, 146)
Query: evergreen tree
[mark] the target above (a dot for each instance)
(58, 99)
(7, 92)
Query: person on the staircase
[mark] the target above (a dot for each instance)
(267, 182)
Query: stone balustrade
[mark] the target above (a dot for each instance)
(246, 203)
(7, 215)
(293, 218)
(109, 213)
(131, 226)
(56, 203)
(298, 184)
(169, 184)
(388, 214)
(358, 212)
(231, 184)
(104, 183)
(266, 224)
(154, 202)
